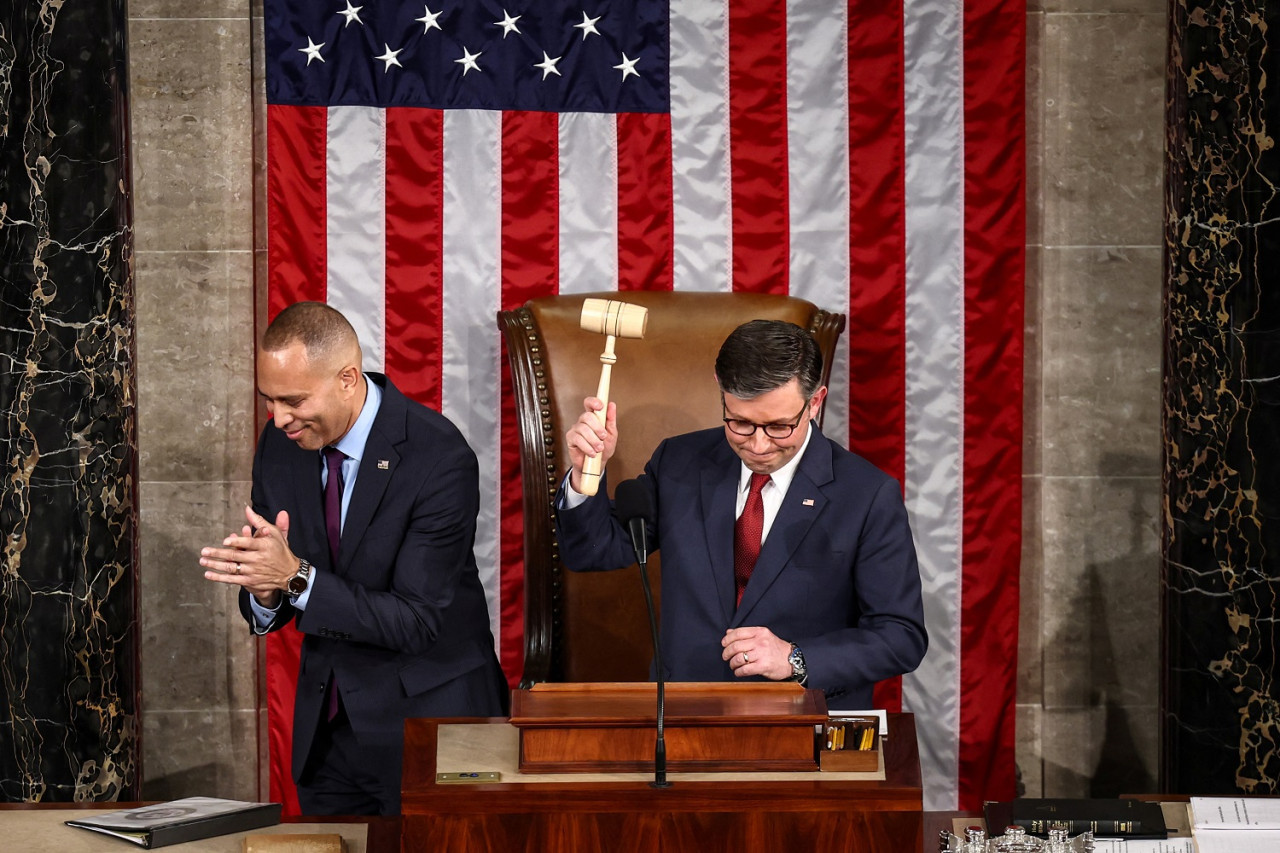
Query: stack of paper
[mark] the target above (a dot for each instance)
(1236, 824)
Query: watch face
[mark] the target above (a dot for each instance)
(298, 583)
(796, 659)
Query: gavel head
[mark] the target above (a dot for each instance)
(610, 317)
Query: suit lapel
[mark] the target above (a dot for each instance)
(800, 508)
(378, 463)
(719, 492)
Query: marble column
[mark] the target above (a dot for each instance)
(68, 507)
(1221, 705)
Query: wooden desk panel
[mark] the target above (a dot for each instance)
(714, 727)
(740, 813)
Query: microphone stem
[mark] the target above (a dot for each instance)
(660, 748)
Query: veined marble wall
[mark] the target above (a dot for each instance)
(68, 509)
(1221, 396)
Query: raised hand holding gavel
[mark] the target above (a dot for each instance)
(614, 320)
(594, 433)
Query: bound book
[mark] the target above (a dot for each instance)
(181, 820)
(1105, 818)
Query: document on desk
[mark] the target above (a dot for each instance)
(1235, 813)
(1144, 845)
(1236, 824)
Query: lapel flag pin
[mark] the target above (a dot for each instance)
(808, 501)
(383, 464)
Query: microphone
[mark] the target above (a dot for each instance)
(633, 505)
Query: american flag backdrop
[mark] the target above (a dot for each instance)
(430, 165)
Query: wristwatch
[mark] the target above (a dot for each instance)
(298, 583)
(799, 672)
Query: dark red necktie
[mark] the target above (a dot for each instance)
(333, 500)
(746, 534)
(333, 526)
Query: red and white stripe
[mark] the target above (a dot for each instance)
(865, 156)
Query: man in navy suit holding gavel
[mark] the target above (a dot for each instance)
(784, 556)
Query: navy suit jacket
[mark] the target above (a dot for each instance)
(401, 620)
(837, 574)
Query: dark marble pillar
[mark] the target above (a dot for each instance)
(1221, 704)
(68, 503)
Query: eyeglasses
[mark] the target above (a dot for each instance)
(774, 431)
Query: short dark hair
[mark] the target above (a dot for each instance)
(762, 355)
(321, 329)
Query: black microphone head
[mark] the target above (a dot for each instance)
(631, 500)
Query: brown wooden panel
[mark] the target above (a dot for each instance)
(535, 833)
(738, 814)
(760, 831)
(625, 703)
(689, 748)
(709, 726)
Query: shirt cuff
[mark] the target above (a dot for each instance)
(570, 497)
(262, 617)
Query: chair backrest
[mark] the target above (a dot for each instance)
(594, 626)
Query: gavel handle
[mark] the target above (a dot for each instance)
(593, 466)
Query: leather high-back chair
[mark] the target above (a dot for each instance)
(593, 626)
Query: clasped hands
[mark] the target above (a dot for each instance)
(258, 558)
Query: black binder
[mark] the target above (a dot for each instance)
(177, 821)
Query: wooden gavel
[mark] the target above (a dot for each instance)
(613, 320)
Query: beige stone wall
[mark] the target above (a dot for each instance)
(192, 125)
(1088, 667)
(1089, 643)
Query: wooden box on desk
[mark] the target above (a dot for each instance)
(850, 744)
(714, 727)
